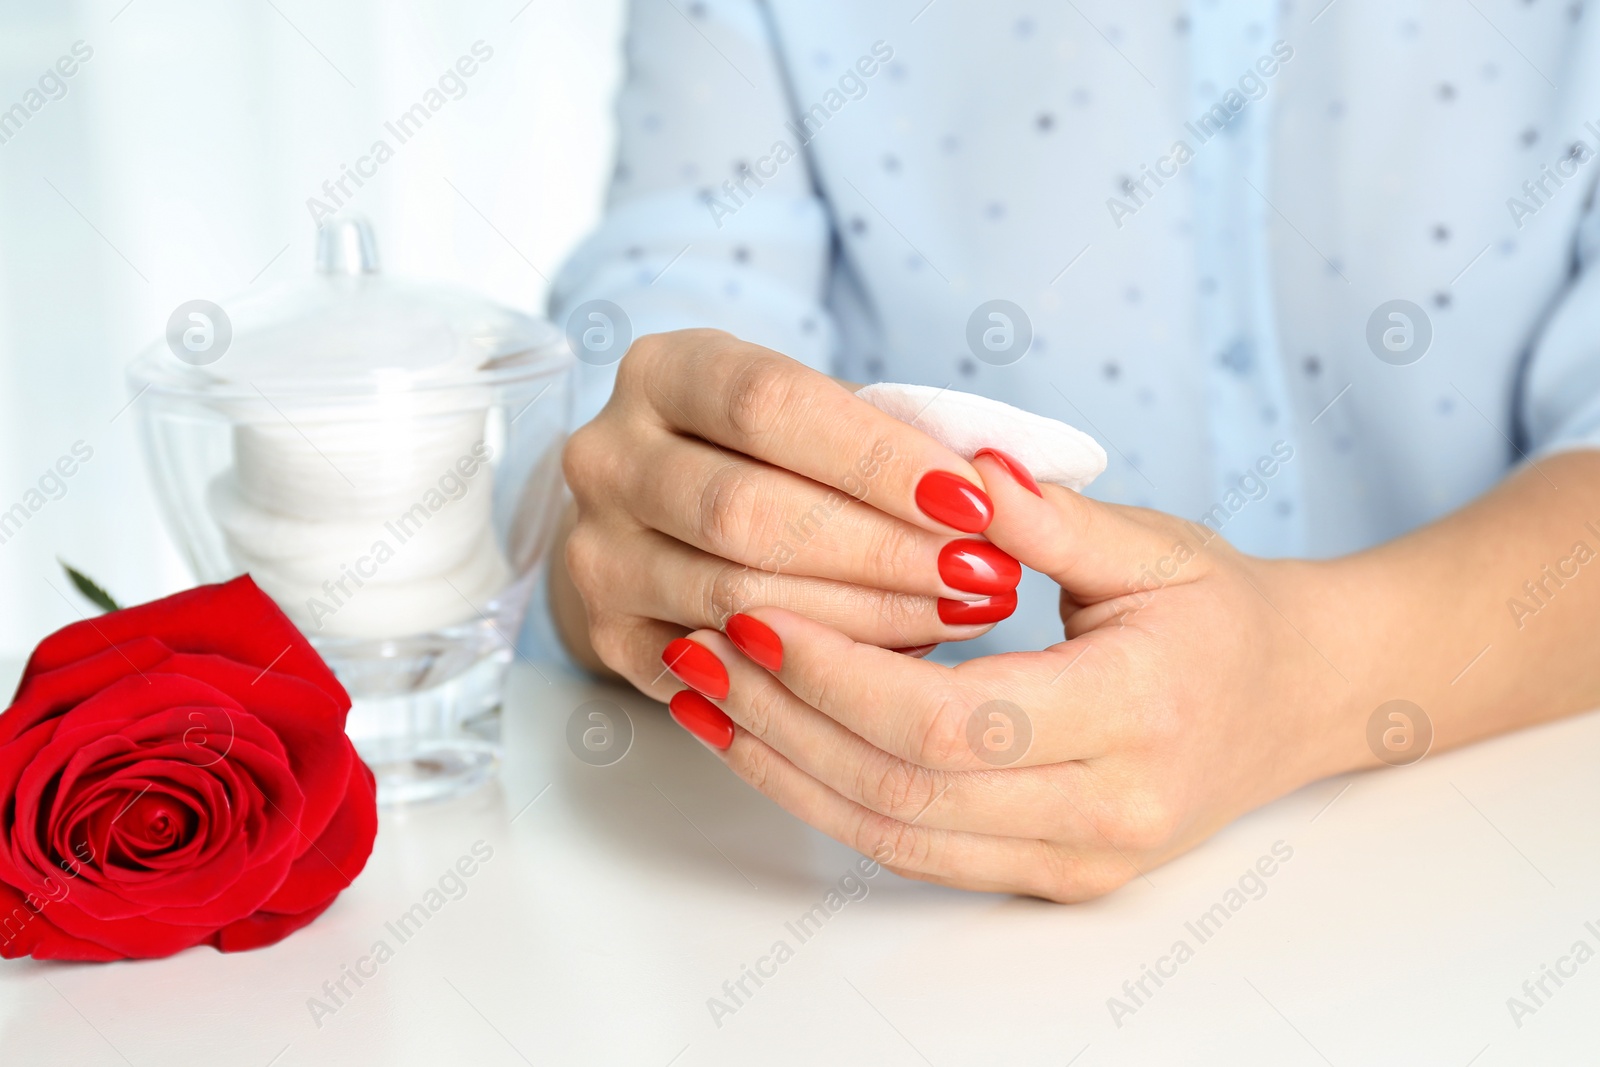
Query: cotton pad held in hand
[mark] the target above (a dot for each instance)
(964, 423)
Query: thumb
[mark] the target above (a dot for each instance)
(1095, 551)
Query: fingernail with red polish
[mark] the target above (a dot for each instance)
(702, 718)
(915, 651)
(954, 501)
(977, 612)
(755, 639)
(1013, 468)
(974, 566)
(696, 666)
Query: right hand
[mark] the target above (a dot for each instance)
(723, 476)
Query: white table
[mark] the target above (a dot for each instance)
(621, 898)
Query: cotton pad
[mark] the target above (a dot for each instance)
(376, 530)
(964, 423)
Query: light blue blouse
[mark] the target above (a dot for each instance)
(1314, 274)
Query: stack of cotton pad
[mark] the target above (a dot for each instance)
(362, 526)
(1052, 451)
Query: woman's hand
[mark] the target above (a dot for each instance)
(722, 476)
(1181, 698)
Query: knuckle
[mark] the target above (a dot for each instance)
(610, 643)
(906, 617)
(891, 842)
(1069, 877)
(906, 613)
(894, 787)
(755, 766)
(733, 588)
(1141, 821)
(759, 707)
(651, 358)
(717, 344)
(585, 561)
(756, 394)
(892, 554)
(722, 518)
(581, 459)
(942, 742)
(638, 360)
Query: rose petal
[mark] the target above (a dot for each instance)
(164, 828)
(228, 885)
(135, 937)
(234, 882)
(227, 799)
(26, 931)
(341, 853)
(16, 866)
(310, 726)
(235, 619)
(262, 929)
(81, 739)
(249, 746)
(220, 800)
(50, 694)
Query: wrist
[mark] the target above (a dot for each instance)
(1350, 622)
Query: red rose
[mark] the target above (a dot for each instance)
(176, 774)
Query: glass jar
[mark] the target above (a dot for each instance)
(384, 459)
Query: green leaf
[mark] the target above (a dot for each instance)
(92, 592)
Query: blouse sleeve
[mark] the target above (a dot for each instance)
(1559, 393)
(712, 217)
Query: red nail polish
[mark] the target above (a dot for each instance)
(697, 666)
(954, 501)
(755, 639)
(1013, 468)
(977, 612)
(974, 566)
(702, 718)
(915, 651)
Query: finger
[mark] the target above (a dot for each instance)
(1020, 709)
(1095, 551)
(753, 513)
(752, 400)
(1026, 802)
(950, 857)
(647, 573)
(632, 646)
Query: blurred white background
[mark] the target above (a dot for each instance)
(177, 166)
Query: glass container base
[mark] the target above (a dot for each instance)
(434, 743)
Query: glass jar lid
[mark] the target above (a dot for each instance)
(347, 331)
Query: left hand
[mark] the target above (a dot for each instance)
(1182, 697)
